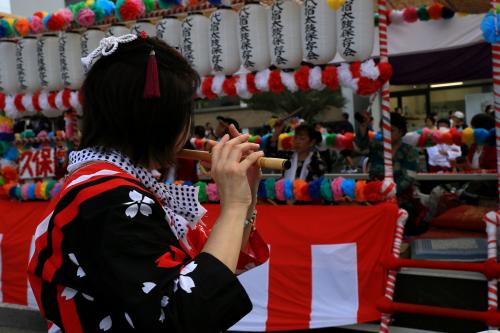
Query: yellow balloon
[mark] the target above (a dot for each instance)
(335, 4)
(89, 3)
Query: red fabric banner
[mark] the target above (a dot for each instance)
(324, 262)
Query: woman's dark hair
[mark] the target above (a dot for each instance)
(483, 120)
(399, 122)
(444, 121)
(117, 116)
(310, 132)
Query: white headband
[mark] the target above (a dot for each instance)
(106, 47)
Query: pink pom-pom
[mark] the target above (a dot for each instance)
(212, 193)
(66, 14)
(86, 17)
(280, 190)
(36, 24)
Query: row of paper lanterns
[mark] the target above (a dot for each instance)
(255, 37)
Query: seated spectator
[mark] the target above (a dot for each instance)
(442, 156)
(482, 156)
(430, 121)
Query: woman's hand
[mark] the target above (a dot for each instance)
(232, 163)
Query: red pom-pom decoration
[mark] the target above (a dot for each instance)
(372, 191)
(41, 15)
(206, 88)
(275, 84)
(18, 102)
(385, 70)
(52, 100)
(435, 11)
(287, 143)
(410, 15)
(2, 101)
(56, 22)
(355, 68)
(36, 102)
(330, 78)
(251, 84)
(456, 136)
(66, 98)
(367, 86)
(229, 86)
(447, 138)
(301, 77)
(131, 10)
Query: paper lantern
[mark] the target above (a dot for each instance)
(319, 42)
(286, 45)
(169, 31)
(195, 42)
(144, 26)
(90, 40)
(9, 82)
(355, 30)
(117, 30)
(224, 55)
(49, 62)
(27, 64)
(70, 50)
(253, 37)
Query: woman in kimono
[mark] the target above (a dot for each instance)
(119, 251)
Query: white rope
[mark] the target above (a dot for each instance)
(107, 46)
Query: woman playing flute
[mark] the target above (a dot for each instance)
(121, 252)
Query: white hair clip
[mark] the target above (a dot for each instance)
(106, 47)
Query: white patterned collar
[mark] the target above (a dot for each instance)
(180, 202)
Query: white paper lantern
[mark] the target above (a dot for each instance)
(355, 30)
(286, 50)
(195, 42)
(117, 30)
(169, 31)
(224, 55)
(49, 63)
(253, 37)
(27, 64)
(90, 40)
(319, 42)
(9, 82)
(143, 26)
(70, 49)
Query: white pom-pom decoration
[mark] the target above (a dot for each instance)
(217, 83)
(289, 81)
(397, 16)
(315, 78)
(242, 87)
(262, 80)
(370, 70)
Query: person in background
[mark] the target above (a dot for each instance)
(209, 131)
(399, 110)
(442, 157)
(223, 126)
(199, 132)
(444, 123)
(346, 127)
(490, 110)
(458, 120)
(306, 160)
(405, 165)
(482, 156)
(319, 127)
(430, 121)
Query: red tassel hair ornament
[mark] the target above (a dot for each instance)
(152, 85)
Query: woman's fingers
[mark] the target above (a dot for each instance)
(242, 150)
(209, 145)
(217, 150)
(227, 147)
(251, 159)
(233, 131)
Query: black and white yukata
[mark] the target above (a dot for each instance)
(109, 258)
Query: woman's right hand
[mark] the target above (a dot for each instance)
(229, 171)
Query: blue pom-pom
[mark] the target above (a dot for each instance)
(378, 136)
(165, 4)
(188, 183)
(261, 193)
(314, 189)
(447, 13)
(480, 135)
(489, 28)
(263, 143)
(107, 6)
(289, 189)
(349, 188)
(45, 20)
(8, 137)
(215, 2)
(31, 191)
(491, 140)
(13, 191)
(11, 154)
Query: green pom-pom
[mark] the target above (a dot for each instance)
(150, 5)
(202, 194)
(252, 138)
(376, 18)
(331, 138)
(498, 9)
(75, 8)
(271, 188)
(423, 14)
(50, 185)
(326, 190)
(6, 30)
(4, 146)
(99, 12)
(2, 181)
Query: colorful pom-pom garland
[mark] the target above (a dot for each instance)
(40, 190)
(321, 189)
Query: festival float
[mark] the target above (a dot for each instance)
(241, 49)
